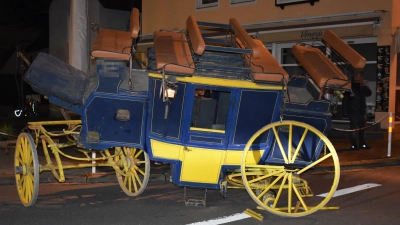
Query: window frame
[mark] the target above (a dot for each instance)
(236, 2)
(216, 89)
(201, 5)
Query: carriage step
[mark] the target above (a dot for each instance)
(305, 191)
(195, 201)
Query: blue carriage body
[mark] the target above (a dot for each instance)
(200, 152)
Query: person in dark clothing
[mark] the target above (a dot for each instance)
(356, 107)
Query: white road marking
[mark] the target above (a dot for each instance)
(351, 190)
(241, 216)
(222, 220)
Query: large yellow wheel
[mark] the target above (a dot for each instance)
(26, 169)
(133, 170)
(283, 182)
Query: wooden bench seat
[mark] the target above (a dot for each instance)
(263, 66)
(323, 71)
(117, 44)
(266, 68)
(172, 52)
(172, 49)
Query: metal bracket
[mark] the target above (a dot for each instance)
(195, 201)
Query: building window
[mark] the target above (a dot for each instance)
(241, 1)
(201, 4)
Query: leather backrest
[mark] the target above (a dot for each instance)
(244, 38)
(341, 47)
(196, 38)
(134, 23)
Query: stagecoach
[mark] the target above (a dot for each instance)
(221, 111)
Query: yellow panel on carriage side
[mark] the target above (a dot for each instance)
(201, 165)
(235, 157)
(165, 150)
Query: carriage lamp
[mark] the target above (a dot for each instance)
(170, 92)
(171, 87)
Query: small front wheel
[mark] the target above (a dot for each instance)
(134, 170)
(26, 169)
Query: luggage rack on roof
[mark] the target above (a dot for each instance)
(238, 56)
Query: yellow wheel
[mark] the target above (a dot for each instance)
(133, 170)
(26, 169)
(282, 181)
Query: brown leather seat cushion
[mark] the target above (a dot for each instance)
(320, 68)
(266, 68)
(112, 44)
(173, 52)
(116, 44)
(347, 52)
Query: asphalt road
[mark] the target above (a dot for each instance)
(162, 203)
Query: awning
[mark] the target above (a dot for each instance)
(359, 24)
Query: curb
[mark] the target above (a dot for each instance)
(83, 178)
(362, 164)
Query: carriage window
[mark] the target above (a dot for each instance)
(210, 110)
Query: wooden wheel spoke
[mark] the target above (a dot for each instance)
(278, 195)
(30, 160)
(20, 153)
(29, 189)
(25, 187)
(19, 159)
(278, 140)
(134, 179)
(138, 154)
(140, 162)
(265, 176)
(300, 198)
(269, 186)
(20, 181)
(296, 152)
(290, 180)
(139, 170)
(30, 175)
(125, 180)
(290, 143)
(267, 167)
(133, 151)
(314, 163)
(129, 183)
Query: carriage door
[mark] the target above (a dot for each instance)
(207, 136)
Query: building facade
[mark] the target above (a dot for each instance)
(369, 26)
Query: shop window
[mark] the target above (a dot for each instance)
(210, 110)
(201, 4)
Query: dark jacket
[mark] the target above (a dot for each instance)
(356, 104)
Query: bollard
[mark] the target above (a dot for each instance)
(390, 135)
(93, 162)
